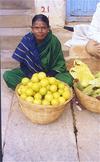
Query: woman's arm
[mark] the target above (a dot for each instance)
(59, 65)
(57, 57)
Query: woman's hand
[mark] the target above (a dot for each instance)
(93, 48)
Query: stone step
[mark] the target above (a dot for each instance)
(10, 37)
(16, 18)
(18, 4)
(7, 61)
(13, 36)
(13, 31)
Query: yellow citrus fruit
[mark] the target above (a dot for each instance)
(23, 96)
(29, 92)
(29, 84)
(53, 88)
(48, 97)
(45, 102)
(25, 80)
(60, 91)
(38, 96)
(43, 90)
(56, 95)
(19, 91)
(48, 87)
(54, 102)
(49, 92)
(34, 78)
(23, 90)
(35, 75)
(66, 94)
(37, 101)
(44, 82)
(52, 80)
(61, 100)
(30, 99)
(61, 85)
(41, 75)
(36, 87)
(58, 81)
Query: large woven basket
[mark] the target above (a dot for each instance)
(41, 114)
(88, 102)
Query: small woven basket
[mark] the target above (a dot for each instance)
(41, 114)
(88, 102)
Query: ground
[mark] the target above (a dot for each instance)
(74, 137)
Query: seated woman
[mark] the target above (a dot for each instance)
(39, 50)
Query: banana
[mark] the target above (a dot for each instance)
(95, 82)
(79, 86)
(81, 72)
(97, 75)
(88, 90)
(88, 83)
(95, 95)
(96, 92)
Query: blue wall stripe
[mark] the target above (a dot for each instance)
(80, 8)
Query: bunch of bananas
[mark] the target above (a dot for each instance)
(93, 88)
(81, 72)
(87, 82)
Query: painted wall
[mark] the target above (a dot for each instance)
(54, 9)
(80, 9)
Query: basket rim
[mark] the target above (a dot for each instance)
(75, 88)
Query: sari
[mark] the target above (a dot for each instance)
(46, 56)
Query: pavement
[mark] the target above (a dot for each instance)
(74, 137)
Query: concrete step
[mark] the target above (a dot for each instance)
(16, 4)
(13, 36)
(13, 31)
(16, 18)
(10, 37)
(7, 61)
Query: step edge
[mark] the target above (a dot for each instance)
(10, 12)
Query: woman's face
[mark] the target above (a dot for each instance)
(40, 30)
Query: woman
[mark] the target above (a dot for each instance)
(38, 51)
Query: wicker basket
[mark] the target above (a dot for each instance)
(88, 102)
(41, 114)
